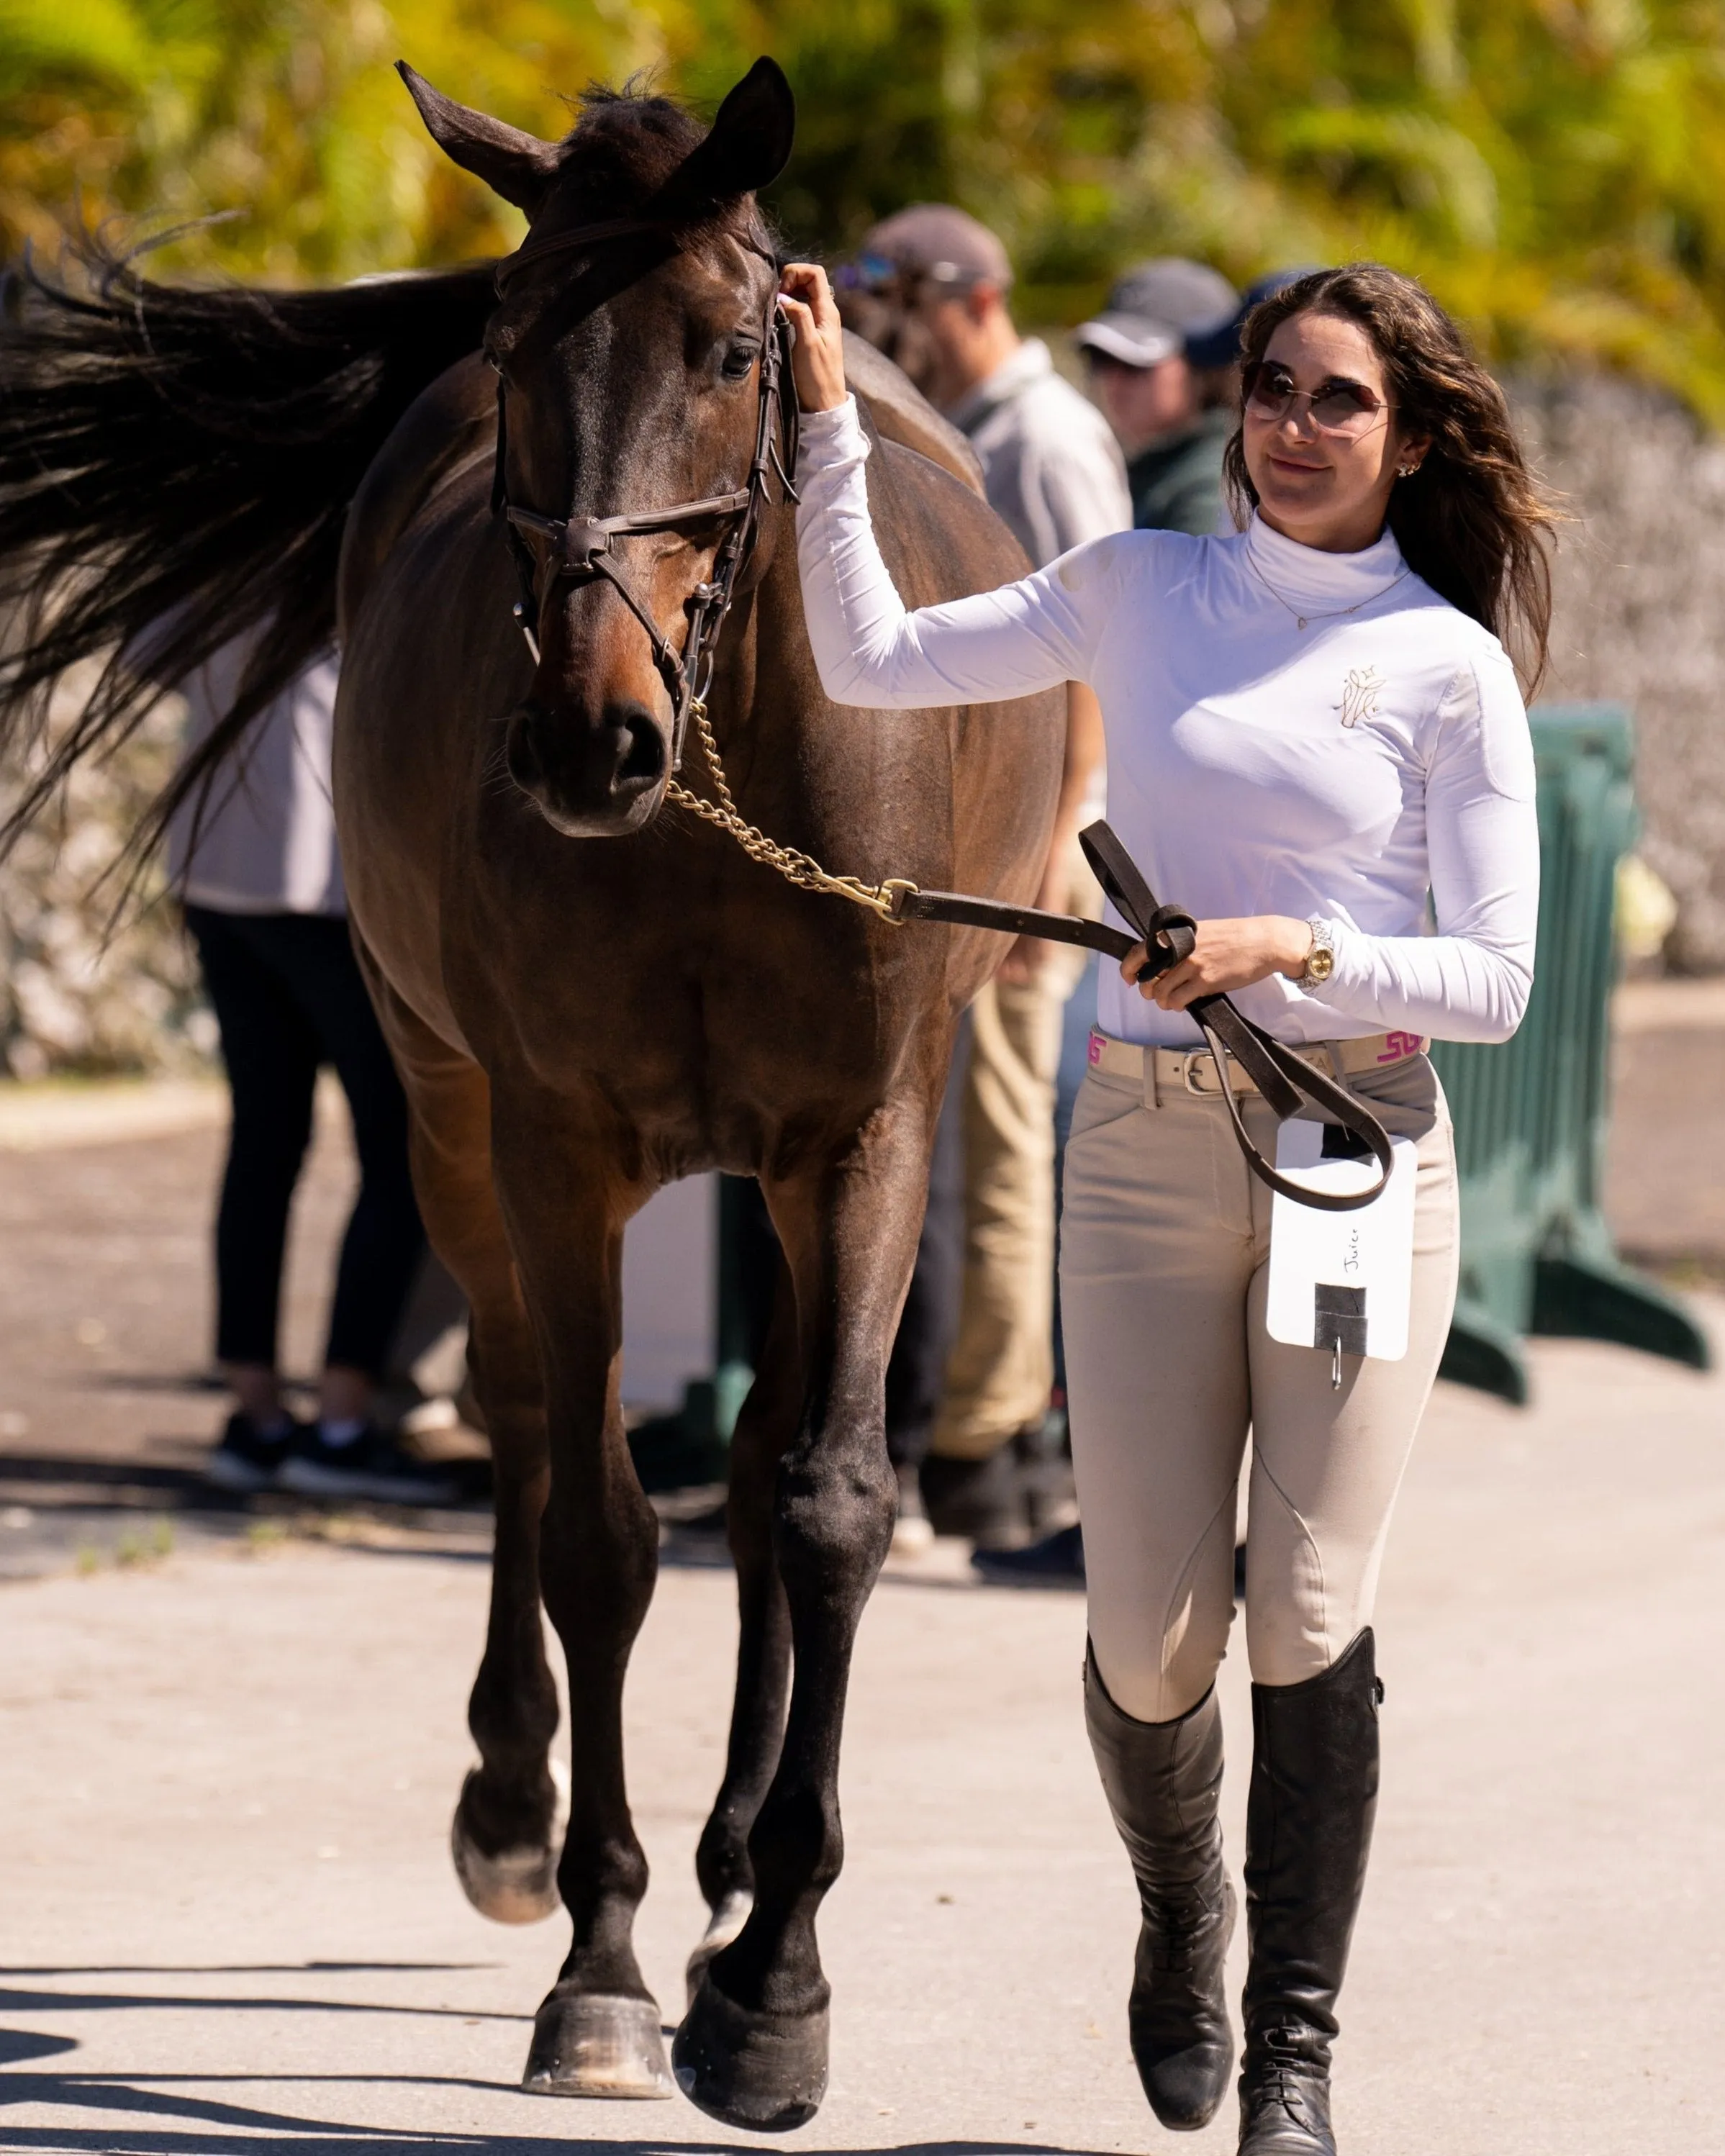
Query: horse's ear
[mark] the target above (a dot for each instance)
(749, 143)
(518, 166)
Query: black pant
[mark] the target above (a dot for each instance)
(289, 996)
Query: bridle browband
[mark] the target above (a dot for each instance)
(580, 547)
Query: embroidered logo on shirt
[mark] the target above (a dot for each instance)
(1359, 696)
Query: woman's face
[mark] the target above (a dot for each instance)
(1323, 445)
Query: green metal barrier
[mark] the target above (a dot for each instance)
(1531, 1116)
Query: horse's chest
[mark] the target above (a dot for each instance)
(702, 1009)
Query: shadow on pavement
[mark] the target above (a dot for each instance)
(16, 2001)
(85, 1481)
(183, 2114)
(247, 1968)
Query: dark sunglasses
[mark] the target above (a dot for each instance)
(1338, 406)
(877, 273)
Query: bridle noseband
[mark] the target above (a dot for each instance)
(581, 547)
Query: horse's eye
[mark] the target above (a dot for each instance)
(738, 360)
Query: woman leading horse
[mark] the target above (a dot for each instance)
(1312, 724)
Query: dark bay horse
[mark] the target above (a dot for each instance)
(589, 990)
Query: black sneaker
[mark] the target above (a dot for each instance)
(249, 1457)
(983, 1499)
(370, 1466)
(1056, 1561)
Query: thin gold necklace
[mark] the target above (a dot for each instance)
(1332, 614)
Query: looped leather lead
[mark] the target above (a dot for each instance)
(1168, 934)
(1281, 1077)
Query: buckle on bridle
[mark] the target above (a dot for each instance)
(579, 544)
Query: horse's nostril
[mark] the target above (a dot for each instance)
(643, 761)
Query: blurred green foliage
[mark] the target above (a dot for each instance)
(1554, 168)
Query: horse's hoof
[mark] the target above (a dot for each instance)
(597, 2044)
(517, 1886)
(764, 2072)
(726, 1921)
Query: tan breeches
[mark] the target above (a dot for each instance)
(1164, 1242)
(1001, 1369)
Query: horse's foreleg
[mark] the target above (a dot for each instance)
(597, 2033)
(752, 2049)
(508, 1827)
(764, 1429)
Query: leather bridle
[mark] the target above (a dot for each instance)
(581, 548)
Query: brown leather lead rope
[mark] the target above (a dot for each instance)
(1282, 1077)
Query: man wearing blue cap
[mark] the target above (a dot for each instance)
(1161, 365)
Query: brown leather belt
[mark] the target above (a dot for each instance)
(1193, 1069)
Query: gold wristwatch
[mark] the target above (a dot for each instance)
(1321, 958)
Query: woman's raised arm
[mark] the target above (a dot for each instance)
(870, 649)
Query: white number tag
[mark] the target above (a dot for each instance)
(1341, 1281)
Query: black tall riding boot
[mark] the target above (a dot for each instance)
(1314, 1790)
(1161, 1779)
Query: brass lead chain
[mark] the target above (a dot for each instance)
(796, 868)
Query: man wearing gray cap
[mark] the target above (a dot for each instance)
(1048, 464)
(1168, 401)
(1053, 471)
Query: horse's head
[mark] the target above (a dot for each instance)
(630, 369)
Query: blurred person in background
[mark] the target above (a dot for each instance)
(1216, 352)
(255, 860)
(1160, 365)
(972, 1385)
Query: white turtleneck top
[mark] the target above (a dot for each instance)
(1288, 731)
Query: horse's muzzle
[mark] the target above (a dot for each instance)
(590, 777)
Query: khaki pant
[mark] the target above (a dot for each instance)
(1000, 1372)
(1001, 1369)
(1164, 1242)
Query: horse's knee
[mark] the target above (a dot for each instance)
(832, 1520)
(598, 1561)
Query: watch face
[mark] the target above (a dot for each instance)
(1320, 964)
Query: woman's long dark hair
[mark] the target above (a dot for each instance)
(176, 466)
(1473, 520)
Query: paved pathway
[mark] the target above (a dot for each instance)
(230, 1922)
(226, 1772)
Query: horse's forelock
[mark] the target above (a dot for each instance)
(629, 140)
(625, 148)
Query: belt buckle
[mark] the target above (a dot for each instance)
(1195, 1062)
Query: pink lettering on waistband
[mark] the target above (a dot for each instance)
(1095, 1048)
(1397, 1046)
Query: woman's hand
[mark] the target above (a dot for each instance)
(818, 363)
(1227, 954)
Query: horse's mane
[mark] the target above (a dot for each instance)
(177, 461)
